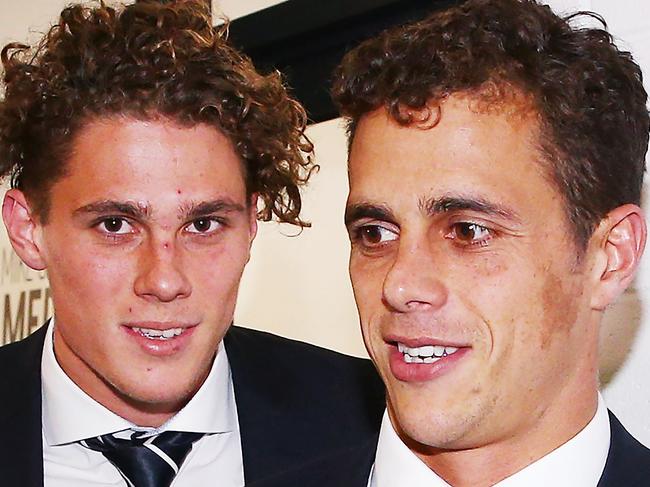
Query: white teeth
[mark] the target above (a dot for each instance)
(151, 332)
(159, 334)
(426, 351)
(427, 354)
(172, 332)
(438, 351)
(413, 360)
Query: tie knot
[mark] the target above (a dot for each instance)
(146, 461)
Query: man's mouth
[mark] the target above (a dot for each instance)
(427, 354)
(161, 338)
(155, 334)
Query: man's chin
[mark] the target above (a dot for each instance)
(428, 431)
(153, 395)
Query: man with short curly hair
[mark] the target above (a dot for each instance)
(142, 150)
(496, 159)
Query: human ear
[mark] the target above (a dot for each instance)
(23, 229)
(623, 235)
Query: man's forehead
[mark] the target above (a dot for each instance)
(150, 169)
(485, 161)
(498, 97)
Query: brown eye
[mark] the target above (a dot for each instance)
(471, 233)
(373, 235)
(203, 225)
(115, 225)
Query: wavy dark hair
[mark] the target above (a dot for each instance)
(148, 60)
(588, 95)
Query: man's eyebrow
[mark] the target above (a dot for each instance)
(106, 207)
(367, 210)
(142, 211)
(444, 204)
(193, 211)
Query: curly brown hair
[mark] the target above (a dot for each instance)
(587, 94)
(148, 60)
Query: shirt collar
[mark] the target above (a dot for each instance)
(396, 464)
(578, 462)
(211, 410)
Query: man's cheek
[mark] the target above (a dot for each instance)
(560, 301)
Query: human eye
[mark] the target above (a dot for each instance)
(470, 234)
(203, 226)
(373, 235)
(114, 225)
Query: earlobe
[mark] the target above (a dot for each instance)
(624, 233)
(22, 229)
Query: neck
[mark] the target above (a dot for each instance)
(143, 414)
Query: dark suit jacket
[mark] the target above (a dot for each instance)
(628, 465)
(295, 402)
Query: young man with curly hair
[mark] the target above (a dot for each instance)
(142, 149)
(496, 160)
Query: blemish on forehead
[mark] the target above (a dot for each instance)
(166, 245)
(178, 191)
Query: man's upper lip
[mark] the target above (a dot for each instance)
(421, 341)
(159, 325)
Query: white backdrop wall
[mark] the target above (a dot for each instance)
(297, 286)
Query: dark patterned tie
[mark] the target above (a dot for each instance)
(146, 462)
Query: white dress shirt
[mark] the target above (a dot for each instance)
(70, 415)
(577, 463)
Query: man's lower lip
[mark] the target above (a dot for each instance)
(157, 346)
(422, 372)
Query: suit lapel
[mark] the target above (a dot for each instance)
(349, 467)
(297, 403)
(259, 402)
(628, 461)
(21, 451)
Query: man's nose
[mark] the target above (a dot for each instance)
(161, 276)
(413, 282)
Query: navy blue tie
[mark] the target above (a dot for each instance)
(146, 462)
